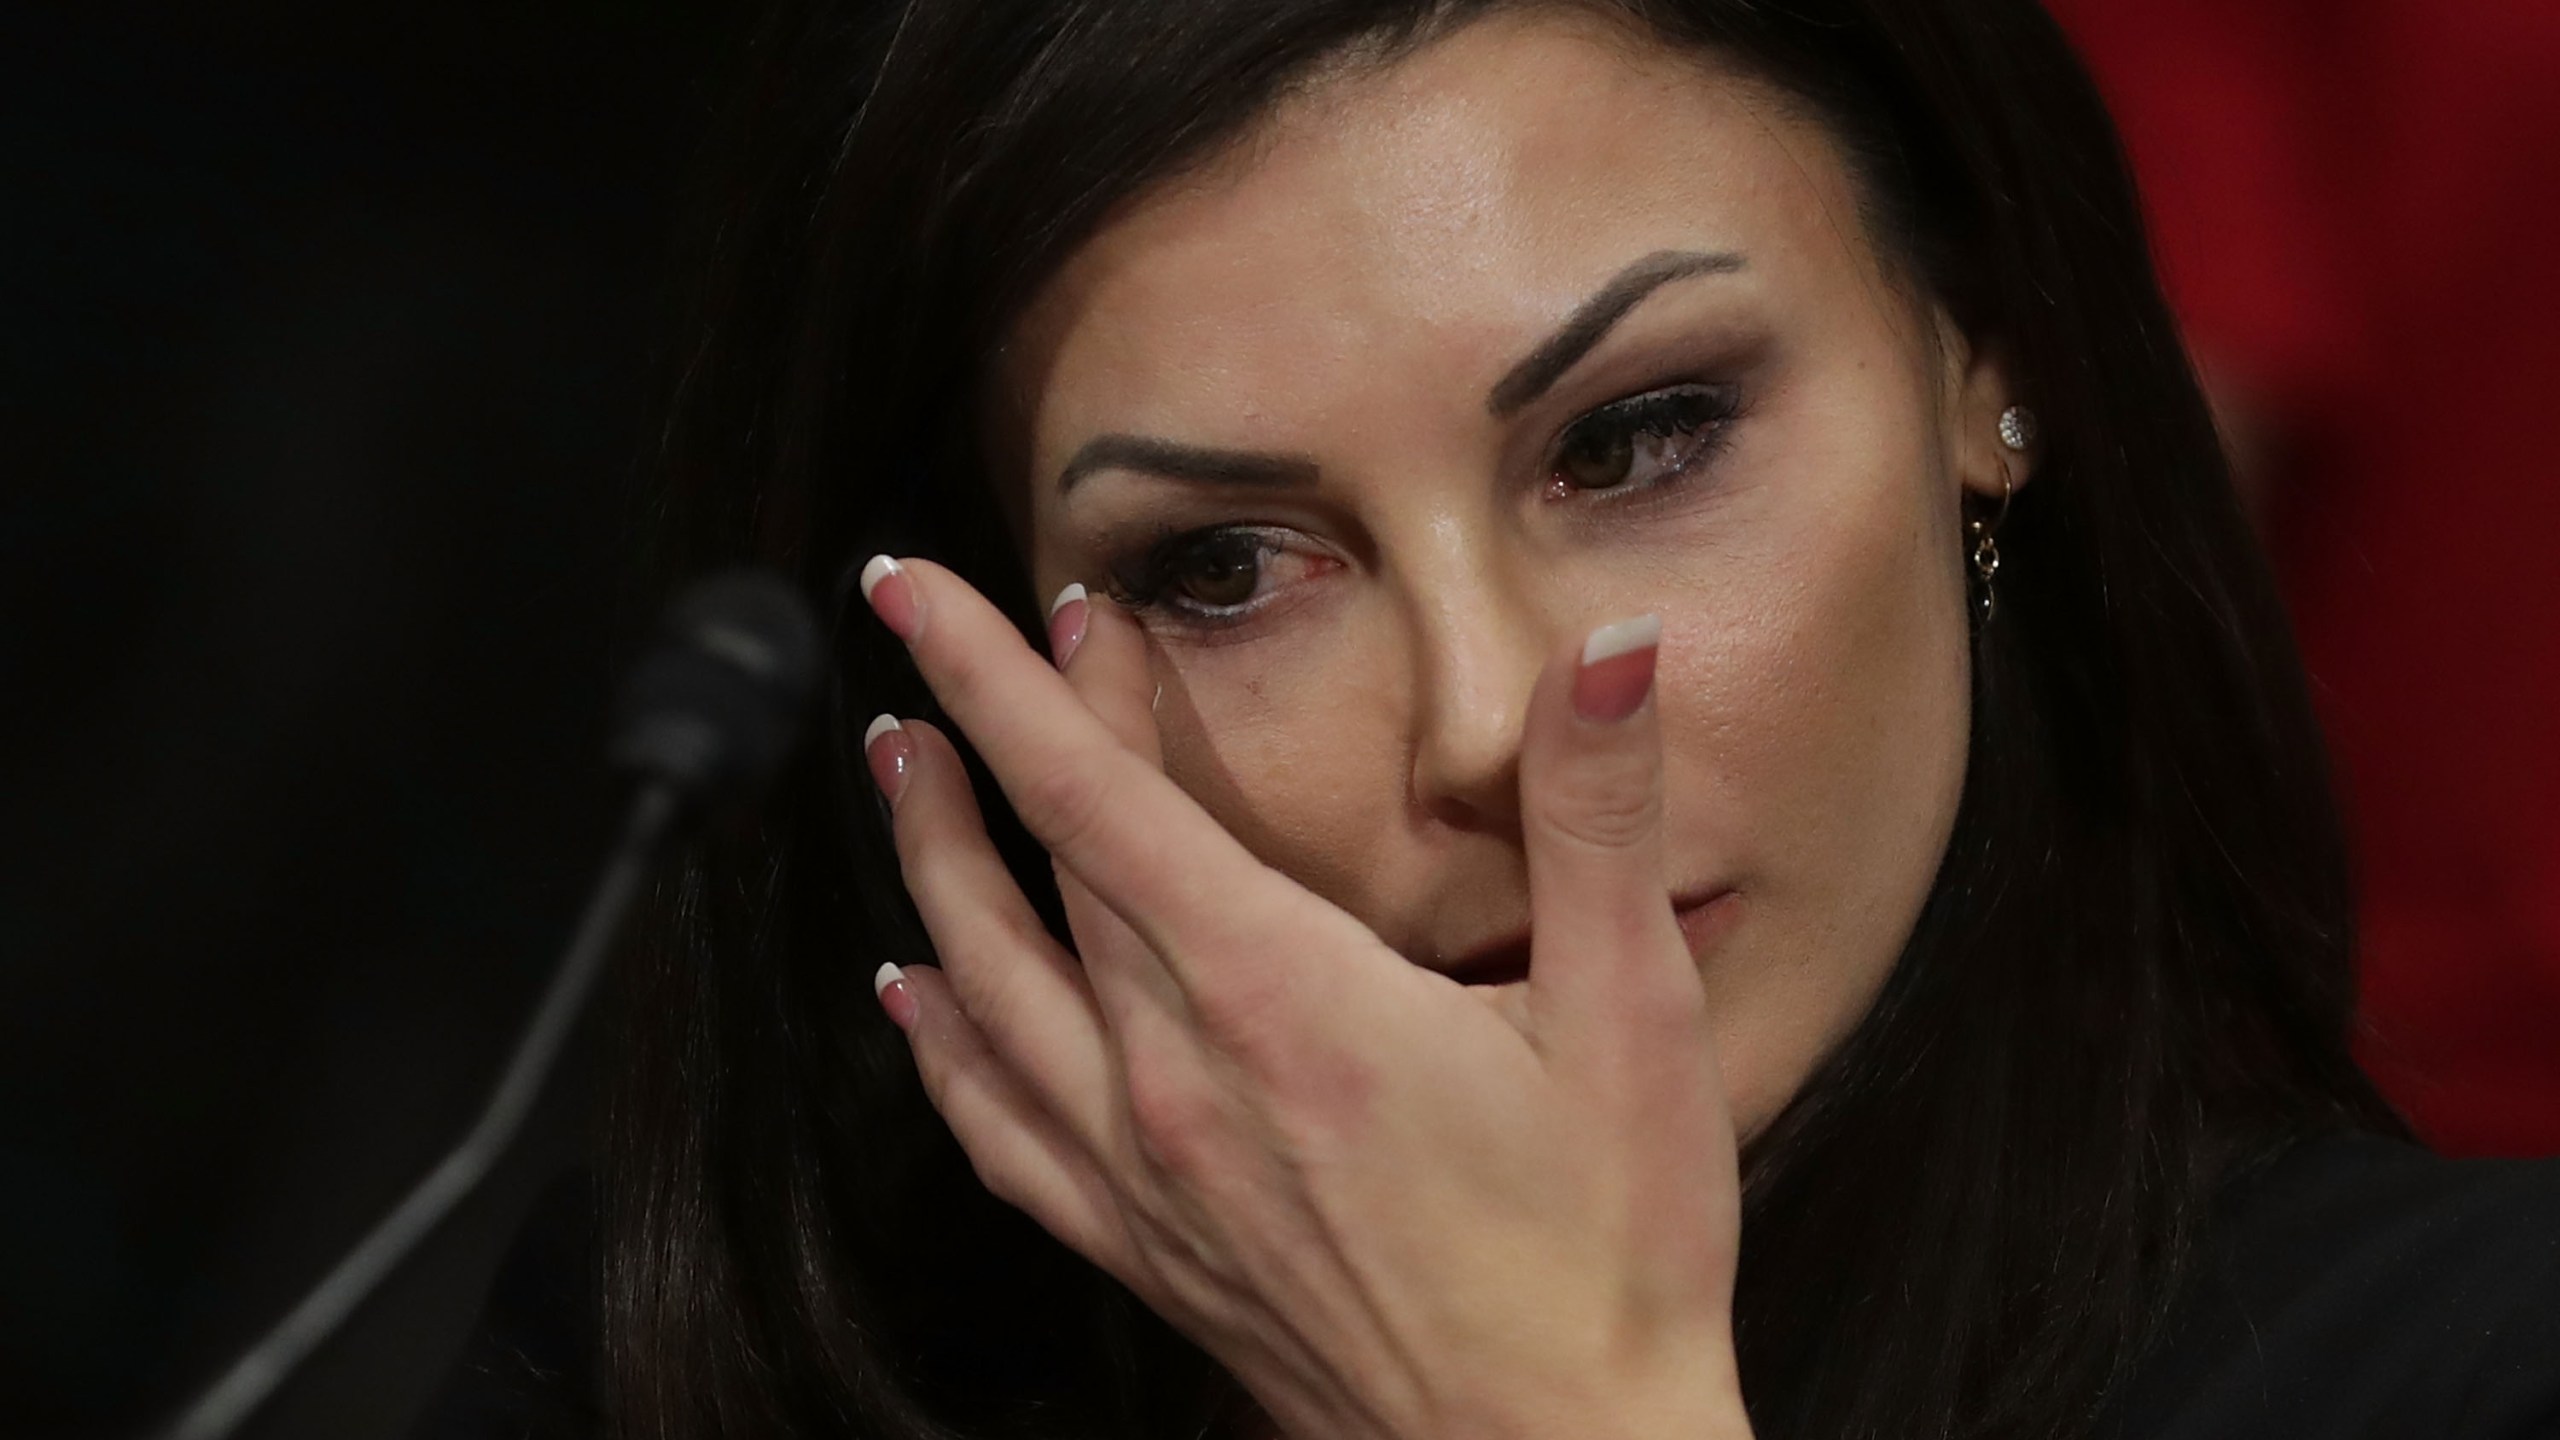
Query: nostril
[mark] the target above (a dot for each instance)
(1450, 810)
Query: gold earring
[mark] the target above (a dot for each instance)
(1986, 549)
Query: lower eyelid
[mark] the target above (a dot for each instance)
(1685, 479)
(1318, 562)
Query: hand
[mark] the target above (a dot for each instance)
(1389, 1208)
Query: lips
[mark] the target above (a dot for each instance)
(1703, 915)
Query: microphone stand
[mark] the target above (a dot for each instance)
(221, 1408)
(707, 716)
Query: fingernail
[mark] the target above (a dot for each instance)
(1616, 673)
(1066, 623)
(891, 753)
(891, 593)
(896, 996)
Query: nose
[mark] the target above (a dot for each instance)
(1479, 642)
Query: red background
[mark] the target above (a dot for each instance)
(2355, 203)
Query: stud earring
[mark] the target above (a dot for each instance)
(2018, 428)
(1986, 548)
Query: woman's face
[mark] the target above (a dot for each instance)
(1458, 357)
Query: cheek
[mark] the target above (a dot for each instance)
(1840, 680)
(1816, 733)
(1310, 784)
(1820, 684)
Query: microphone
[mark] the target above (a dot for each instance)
(705, 719)
(712, 709)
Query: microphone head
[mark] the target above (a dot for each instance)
(714, 706)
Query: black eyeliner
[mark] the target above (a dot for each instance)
(1141, 581)
(1687, 405)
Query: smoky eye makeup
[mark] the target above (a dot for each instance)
(1649, 445)
(1215, 575)
(1641, 442)
(1217, 567)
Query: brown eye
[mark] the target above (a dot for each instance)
(1221, 572)
(1641, 441)
(1224, 575)
(1597, 458)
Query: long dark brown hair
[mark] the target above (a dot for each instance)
(2130, 980)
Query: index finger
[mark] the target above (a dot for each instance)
(1104, 661)
(1131, 836)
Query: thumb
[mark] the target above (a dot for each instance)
(1607, 963)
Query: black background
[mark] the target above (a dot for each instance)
(326, 348)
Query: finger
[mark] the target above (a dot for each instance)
(1103, 655)
(1259, 1009)
(1020, 1151)
(1128, 833)
(1605, 952)
(1025, 994)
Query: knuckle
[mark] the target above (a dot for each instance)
(1613, 807)
(1065, 804)
(997, 1178)
(1009, 1176)
(991, 995)
(1246, 1000)
(1235, 1010)
(1170, 1117)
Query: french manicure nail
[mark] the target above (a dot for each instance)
(891, 754)
(896, 996)
(1616, 674)
(891, 593)
(1066, 623)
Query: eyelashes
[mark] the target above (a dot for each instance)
(1641, 441)
(1219, 568)
(1221, 575)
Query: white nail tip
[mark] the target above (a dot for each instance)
(883, 977)
(1625, 636)
(880, 725)
(1073, 592)
(879, 568)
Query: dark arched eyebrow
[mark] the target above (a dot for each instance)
(1522, 383)
(1591, 320)
(1191, 463)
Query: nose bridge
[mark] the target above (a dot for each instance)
(1480, 635)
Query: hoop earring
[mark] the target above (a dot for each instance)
(1986, 548)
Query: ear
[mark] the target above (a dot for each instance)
(1976, 390)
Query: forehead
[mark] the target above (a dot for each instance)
(1427, 213)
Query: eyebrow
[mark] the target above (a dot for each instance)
(1522, 383)
(1593, 318)
(1195, 464)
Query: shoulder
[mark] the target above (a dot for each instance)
(2362, 1287)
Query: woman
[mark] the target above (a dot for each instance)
(1678, 802)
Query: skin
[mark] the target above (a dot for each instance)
(1346, 287)
(1390, 1204)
